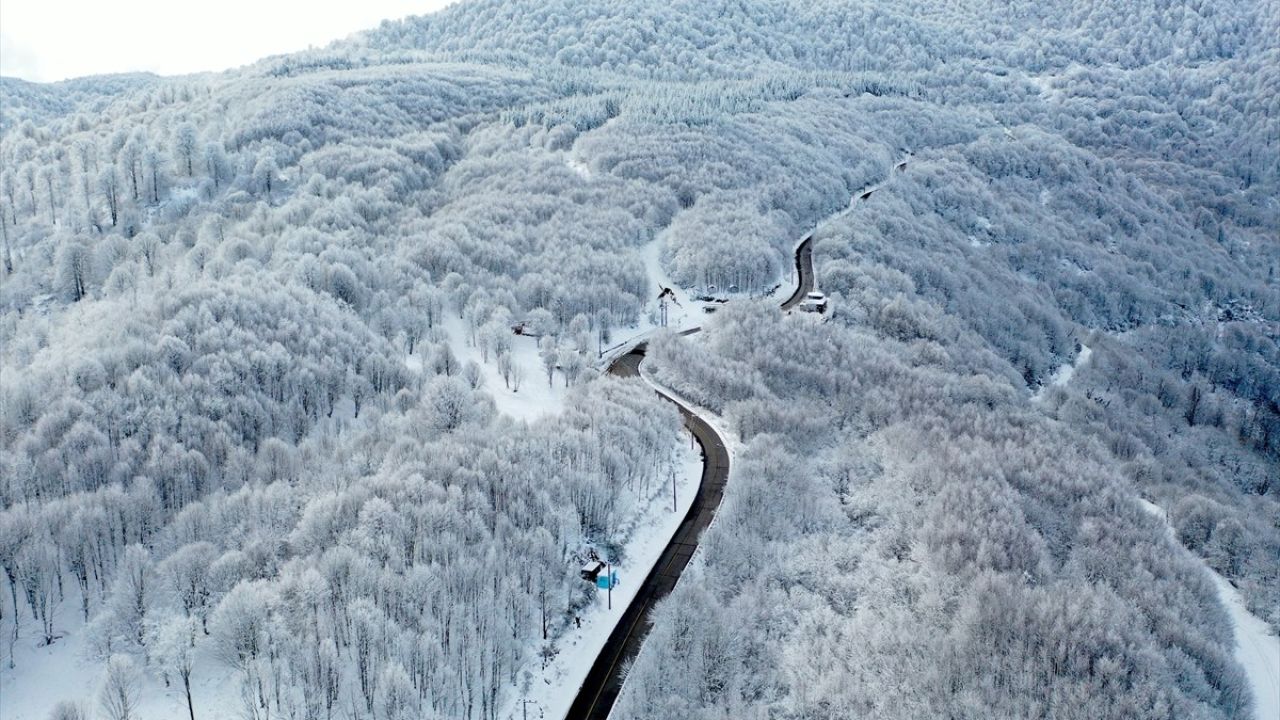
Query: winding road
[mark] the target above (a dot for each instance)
(604, 681)
(804, 268)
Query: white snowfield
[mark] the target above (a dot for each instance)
(1257, 649)
(535, 396)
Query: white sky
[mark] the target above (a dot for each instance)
(48, 40)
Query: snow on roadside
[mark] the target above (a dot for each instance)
(551, 690)
(722, 426)
(682, 315)
(1256, 648)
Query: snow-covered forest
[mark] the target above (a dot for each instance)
(269, 447)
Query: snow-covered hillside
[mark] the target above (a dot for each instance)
(300, 395)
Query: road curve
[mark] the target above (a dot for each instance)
(604, 681)
(804, 268)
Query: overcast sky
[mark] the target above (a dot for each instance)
(48, 40)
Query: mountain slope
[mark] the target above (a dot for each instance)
(234, 306)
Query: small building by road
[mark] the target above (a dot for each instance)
(591, 570)
(814, 302)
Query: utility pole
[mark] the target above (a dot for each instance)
(608, 579)
(674, 506)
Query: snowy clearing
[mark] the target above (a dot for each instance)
(535, 397)
(66, 670)
(577, 166)
(1065, 372)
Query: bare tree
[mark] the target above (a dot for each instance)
(571, 365)
(47, 178)
(109, 185)
(550, 358)
(215, 163)
(120, 689)
(67, 710)
(517, 376)
(73, 265)
(38, 571)
(505, 366)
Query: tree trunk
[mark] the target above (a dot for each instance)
(186, 685)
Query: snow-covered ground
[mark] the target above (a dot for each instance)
(1065, 372)
(551, 690)
(1256, 648)
(66, 671)
(685, 313)
(1044, 83)
(534, 399)
(682, 314)
(577, 165)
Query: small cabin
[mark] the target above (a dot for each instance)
(591, 570)
(814, 302)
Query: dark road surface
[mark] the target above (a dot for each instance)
(603, 683)
(804, 266)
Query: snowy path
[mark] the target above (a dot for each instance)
(1256, 648)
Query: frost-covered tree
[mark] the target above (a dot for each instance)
(173, 649)
(121, 688)
(185, 147)
(68, 710)
(74, 263)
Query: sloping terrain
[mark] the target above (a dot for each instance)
(237, 437)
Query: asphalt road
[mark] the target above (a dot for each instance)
(804, 266)
(603, 683)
